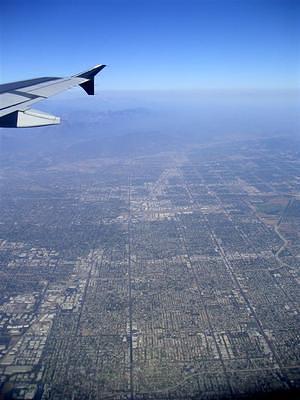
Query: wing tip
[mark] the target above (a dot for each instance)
(89, 76)
(90, 73)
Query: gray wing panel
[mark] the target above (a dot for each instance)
(22, 98)
(19, 96)
(50, 89)
(22, 104)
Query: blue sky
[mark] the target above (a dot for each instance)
(155, 44)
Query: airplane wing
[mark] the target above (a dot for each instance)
(16, 98)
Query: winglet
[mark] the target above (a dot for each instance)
(89, 84)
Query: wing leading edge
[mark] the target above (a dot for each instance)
(17, 98)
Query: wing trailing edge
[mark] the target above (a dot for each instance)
(27, 119)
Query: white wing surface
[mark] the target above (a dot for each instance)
(16, 98)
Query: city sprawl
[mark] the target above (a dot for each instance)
(172, 275)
